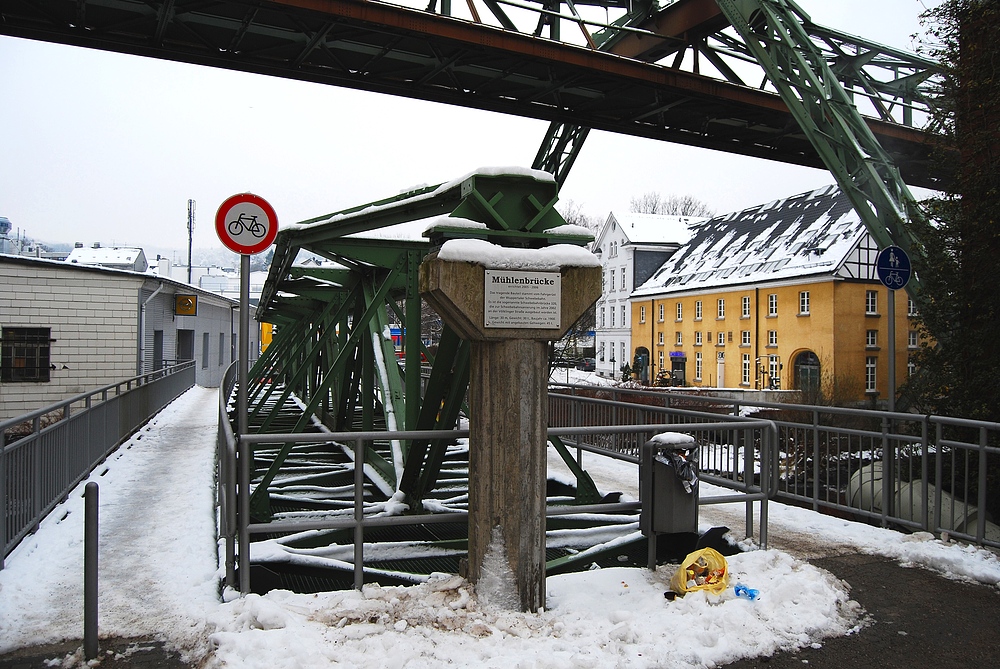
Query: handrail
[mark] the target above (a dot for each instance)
(138, 380)
(234, 472)
(912, 471)
(38, 470)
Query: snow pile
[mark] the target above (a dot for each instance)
(615, 617)
(492, 256)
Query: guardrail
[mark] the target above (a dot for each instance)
(235, 456)
(872, 465)
(39, 468)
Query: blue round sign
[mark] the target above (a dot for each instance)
(893, 267)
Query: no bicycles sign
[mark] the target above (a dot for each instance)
(246, 224)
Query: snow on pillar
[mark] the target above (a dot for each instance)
(509, 303)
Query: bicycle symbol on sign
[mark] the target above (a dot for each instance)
(247, 223)
(894, 280)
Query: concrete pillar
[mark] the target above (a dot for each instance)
(508, 404)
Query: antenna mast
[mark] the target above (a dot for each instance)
(191, 206)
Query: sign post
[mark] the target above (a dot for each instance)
(893, 269)
(246, 224)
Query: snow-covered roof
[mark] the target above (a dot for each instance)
(800, 236)
(110, 256)
(655, 228)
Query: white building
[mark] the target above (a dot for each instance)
(631, 247)
(113, 257)
(67, 328)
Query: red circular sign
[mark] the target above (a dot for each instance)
(246, 224)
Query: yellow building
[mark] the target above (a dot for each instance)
(780, 296)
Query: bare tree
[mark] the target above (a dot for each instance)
(675, 205)
(573, 214)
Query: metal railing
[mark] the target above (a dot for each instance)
(910, 471)
(42, 461)
(235, 457)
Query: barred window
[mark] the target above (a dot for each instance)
(24, 354)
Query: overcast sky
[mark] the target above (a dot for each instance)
(98, 146)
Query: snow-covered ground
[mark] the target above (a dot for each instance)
(159, 571)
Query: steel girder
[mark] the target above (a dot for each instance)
(488, 65)
(331, 350)
(698, 35)
(826, 113)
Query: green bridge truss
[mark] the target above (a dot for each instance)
(332, 357)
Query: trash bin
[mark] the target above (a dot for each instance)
(668, 484)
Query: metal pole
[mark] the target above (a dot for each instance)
(241, 390)
(243, 550)
(246, 451)
(359, 514)
(90, 641)
(892, 350)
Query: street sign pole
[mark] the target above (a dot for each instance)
(247, 225)
(241, 391)
(892, 350)
(893, 269)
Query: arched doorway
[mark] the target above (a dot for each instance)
(640, 364)
(807, 376)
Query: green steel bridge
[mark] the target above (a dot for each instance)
(753, 77)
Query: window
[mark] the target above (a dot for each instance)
(661, 313)
(661, 359)
(680, 311)
(871, 302)
(911, 307)
(623, 358)
(222, 347)
(680, 339)
(871, 338)
(602, 317)
(612, 310)
(722, 339)
(623, 316)
(697, 310)
(600, 352)
(870, 363)
(623, 278)
(772, 337)
(24, 354)
(697, 338)
(774, 371)
(911, 339)
(745, 338)
(746, 306)
(746, 369)
(642, 314)
(772, 304)
(804, 303)
(697, 365)
(911, 367)
(660, 340)
(204, 351)
(721, 308)
(613, 284)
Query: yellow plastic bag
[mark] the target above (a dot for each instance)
(704, 569)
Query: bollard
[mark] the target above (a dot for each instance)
(90, 641)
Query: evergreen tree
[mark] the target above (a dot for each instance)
(961, 240)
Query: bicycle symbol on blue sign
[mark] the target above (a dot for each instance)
(893, 267)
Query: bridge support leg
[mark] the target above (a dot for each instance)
(507, 470)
